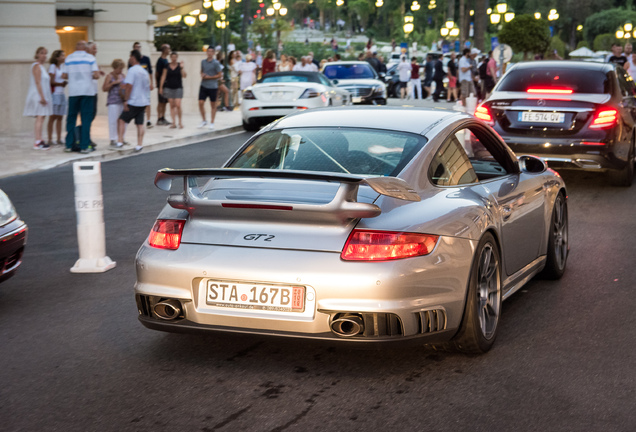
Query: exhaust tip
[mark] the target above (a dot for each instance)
(348, 325)
(168, 309)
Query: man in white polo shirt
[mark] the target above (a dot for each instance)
(136, 99)
(80, 68)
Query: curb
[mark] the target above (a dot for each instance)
(113, 154)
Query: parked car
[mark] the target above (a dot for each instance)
(280, 93)
(365, 224)
(573, 114)
(358, 78)
(13, 237)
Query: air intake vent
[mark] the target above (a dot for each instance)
(382, 325)
(431, 321)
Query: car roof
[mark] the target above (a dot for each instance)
(412, 120)
(564, 64)
(314, 75)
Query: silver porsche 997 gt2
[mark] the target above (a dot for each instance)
(361, 224)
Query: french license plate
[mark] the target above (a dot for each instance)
(240, 295)
(541, 117)
(356, 99)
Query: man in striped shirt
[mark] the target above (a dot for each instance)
(80, 68)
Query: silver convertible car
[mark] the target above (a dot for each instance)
(362, 224)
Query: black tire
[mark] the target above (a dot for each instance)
(558, 246)
(625, 176)
(480, 323)
(250, 126)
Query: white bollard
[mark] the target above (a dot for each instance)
(458, 106)
(91, 231)
(471, 104)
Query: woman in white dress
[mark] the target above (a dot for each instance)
(58, 96)
(247, 73)
(39, 103)
(235, 62)
(284, 65)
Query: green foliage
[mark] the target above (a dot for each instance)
(603, 42)
(184, 41)
(556, 44)
(526, 34)
(582, 44)
(299, 49)
(606, 21)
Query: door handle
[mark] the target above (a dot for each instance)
(507, 212)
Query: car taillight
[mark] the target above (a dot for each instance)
(483, 113)
(550, 90)
(247, 94)
(166, 234)
(310, 93)
(604, 118)
(363, 245)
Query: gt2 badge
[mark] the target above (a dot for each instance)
(264, 237)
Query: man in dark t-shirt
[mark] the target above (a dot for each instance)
(162, 63)
(617, 56)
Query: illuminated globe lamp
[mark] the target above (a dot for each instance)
(415, 6)
(488, 11)
(553, 15)
(444, 31)
(449, 23)
(509, 15)
(207, 4)
(472, 12)
(283, 11)
(454, 32)
(408, 23)
(189, 20)
(495, 18)
(620, 33)
(203, 17)
(379, 3)
(339, 3)
(628, 26)
(218, 5)
(174, 19)
(195, 12)
(579, 27)
(537, 15)
(501, 7)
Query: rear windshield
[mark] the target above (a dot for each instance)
(577, 80)
(339, 150)
(289, 78)
(349, 71)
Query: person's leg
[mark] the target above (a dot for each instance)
(58, 128)
(140, 135)
(71, 120)
(213, 96)
(87, 113)
(202, 98)
(177, 103)
(39, 123)
(173, 113)
(148, 112)
(49, 127)
(226, 96)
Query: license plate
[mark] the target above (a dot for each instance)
(277, 95)
(239, 295)
(356, 99)
(541, 117)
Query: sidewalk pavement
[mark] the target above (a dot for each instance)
(18, 156)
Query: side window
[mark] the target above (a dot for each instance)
(450, 166)
(484, 163)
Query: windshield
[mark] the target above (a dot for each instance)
(340, 150)
(576, 80)
(349, 71)
(289, 78)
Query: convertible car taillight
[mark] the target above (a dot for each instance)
(364, 245)
(604, 118)
(483, 113)
(166, 234)
(310, 93)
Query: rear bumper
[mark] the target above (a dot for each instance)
(421, 297)
(571, 154)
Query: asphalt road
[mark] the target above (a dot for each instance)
(75, 358)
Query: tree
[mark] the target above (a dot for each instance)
(606, 22)
(526, 34)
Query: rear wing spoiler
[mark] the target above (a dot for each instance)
(343, 206)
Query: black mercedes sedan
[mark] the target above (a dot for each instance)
(573, 114)
(13, 236)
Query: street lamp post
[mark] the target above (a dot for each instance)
(276, 10)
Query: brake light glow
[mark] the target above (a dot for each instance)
(605, 118)
(363, 245)
(483, 113)
(166, 234)
(550, 90)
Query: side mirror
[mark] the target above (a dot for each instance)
(532, 164)
(335, 82)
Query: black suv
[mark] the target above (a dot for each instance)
(573, 114)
